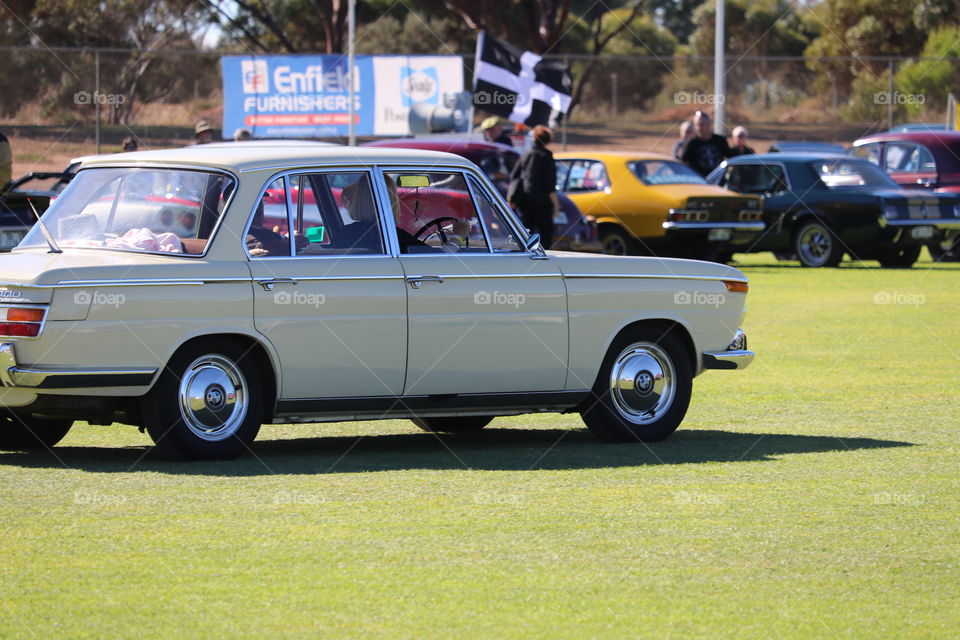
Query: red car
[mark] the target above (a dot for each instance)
(573, 230)
(928, 159)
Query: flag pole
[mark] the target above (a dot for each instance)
(473, 89)
(719, 92)
(351, 36)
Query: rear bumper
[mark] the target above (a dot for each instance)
(705, 226)
(13, 375)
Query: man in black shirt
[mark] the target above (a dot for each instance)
(707, 149)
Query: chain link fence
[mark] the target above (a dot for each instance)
(111, 93)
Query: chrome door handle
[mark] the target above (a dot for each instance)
(416, 281)
(269, 283)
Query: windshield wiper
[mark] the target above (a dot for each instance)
(43, 229)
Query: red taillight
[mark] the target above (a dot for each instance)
(21, 322)
(18, 330)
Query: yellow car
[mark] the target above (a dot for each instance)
(648, 203)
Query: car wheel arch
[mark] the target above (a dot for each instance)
(264, 356)
(667, 325)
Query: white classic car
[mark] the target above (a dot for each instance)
(199, 293)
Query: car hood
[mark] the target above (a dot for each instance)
(586, 264)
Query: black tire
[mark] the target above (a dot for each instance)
(816, 245)
(637, 409)
(617, 241)
(26, 432)
(948, 250)
(452, 424)
(213, 372)
(899, 257)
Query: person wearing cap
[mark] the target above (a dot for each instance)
(203, 132)
(242, 134)
(493, 131)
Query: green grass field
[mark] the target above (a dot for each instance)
(814, 494)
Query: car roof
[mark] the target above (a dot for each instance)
(928, 136)
(791, 157)
(437, 143)
(252, 157)
(612, 155)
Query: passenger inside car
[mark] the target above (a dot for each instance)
(262, 241)
(363, 232)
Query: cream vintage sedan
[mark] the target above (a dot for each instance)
(199, 293)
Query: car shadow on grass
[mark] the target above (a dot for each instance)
(494, 449)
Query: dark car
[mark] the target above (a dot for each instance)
(926, 159)
(17, 204)
(818, 207)
(573, 230)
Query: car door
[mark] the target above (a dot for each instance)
(332, 302)
(770, 181)
(485, 316)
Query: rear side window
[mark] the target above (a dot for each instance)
(755, 178)
(869, 152)
(584, 175)
(908, 157)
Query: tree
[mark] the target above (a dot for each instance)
(929, 81)
(676, 16)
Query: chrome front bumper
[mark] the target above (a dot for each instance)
(736, 226)
(735, 357)
(13, 375)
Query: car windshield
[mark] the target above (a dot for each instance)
(136, 209)
(837, 174)
(654, 172)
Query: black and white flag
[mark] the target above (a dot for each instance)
(519, 85)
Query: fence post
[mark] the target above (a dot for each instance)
(890, 88)
(96, 97)
(613, 94)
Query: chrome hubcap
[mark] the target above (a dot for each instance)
(213, 398)
(815, 245)
(643, 383)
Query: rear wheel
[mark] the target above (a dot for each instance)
(25, 432)
(899, 257)
(453, 424)
(947, 250)
(617, 242)
(643, 389)
(207, 404)
(817, 246)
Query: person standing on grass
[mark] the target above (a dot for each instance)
(708, 149)
(686, 134)
(533, 186)
(6, 162)
(740, 147)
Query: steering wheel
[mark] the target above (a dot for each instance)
(439, 222)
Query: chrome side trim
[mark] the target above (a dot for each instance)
(940, 223)
(176, 282)
(651, 276)
(50, 378)
(727, 359)
(742, 226)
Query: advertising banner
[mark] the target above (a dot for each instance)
(307, 96)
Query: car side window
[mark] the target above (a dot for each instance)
(501, 236)
(434, 213)
(587, 175)
(757, 178)
(563, 170)
(330, 213)
(908, 157)
(869, 152)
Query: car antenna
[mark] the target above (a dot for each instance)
(43, 229)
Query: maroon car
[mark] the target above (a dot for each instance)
(928, 159)
(572, 230)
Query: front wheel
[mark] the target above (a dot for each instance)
(817, 246)
(643, 389)
(453, 424)
(26, 432)
(207, 404)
